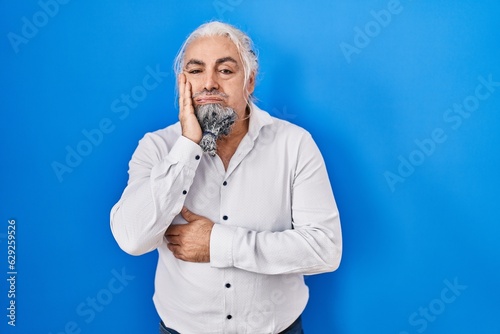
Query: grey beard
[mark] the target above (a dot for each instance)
(215, 121)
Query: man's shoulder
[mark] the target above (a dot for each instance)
(169, 133)
(279, 135)
(161, 140)
(284, 129)
(281, 126)
(288, 126)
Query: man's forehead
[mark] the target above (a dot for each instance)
(209, 49)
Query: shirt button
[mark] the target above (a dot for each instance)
(229, 317)
(224, 183)
(228, 285)
(197, 157)
(225, 217)
(184, 192)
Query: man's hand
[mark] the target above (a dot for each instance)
(191, 128)
(190, 242)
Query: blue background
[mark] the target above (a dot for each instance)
(406, 237)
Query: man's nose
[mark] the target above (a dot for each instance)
(211, 81)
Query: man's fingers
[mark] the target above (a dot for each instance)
(189, 123)
(173, 230)
(188, 102)
(191, 241)
(181, 80)
(188, 215)
(175, 249)
(173, 239)
(185, 100)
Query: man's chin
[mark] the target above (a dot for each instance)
(215, 121)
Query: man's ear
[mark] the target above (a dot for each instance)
(251, 83)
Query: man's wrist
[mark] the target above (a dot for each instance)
(187, 152)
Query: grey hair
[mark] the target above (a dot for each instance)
(242, 42)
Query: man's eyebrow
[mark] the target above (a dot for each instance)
(218, 61)
(195, 62)
(226, 59)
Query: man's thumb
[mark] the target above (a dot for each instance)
(187, 215)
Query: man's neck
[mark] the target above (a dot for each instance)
(227, 145)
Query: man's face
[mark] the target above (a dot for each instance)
(212, 64)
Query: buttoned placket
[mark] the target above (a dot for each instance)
(246, 145)
(227, 285)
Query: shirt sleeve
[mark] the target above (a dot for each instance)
(313, 245)
(158, 182)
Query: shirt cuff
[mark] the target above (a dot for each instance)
(186, 152)
(221, 246)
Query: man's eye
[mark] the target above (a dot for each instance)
(226, 71)
(194, 71)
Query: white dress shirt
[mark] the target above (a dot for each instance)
(275, 220)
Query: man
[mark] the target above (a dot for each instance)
(237, 203)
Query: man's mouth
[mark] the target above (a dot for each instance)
(208, 99)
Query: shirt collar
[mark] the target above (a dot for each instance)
(258, 119)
